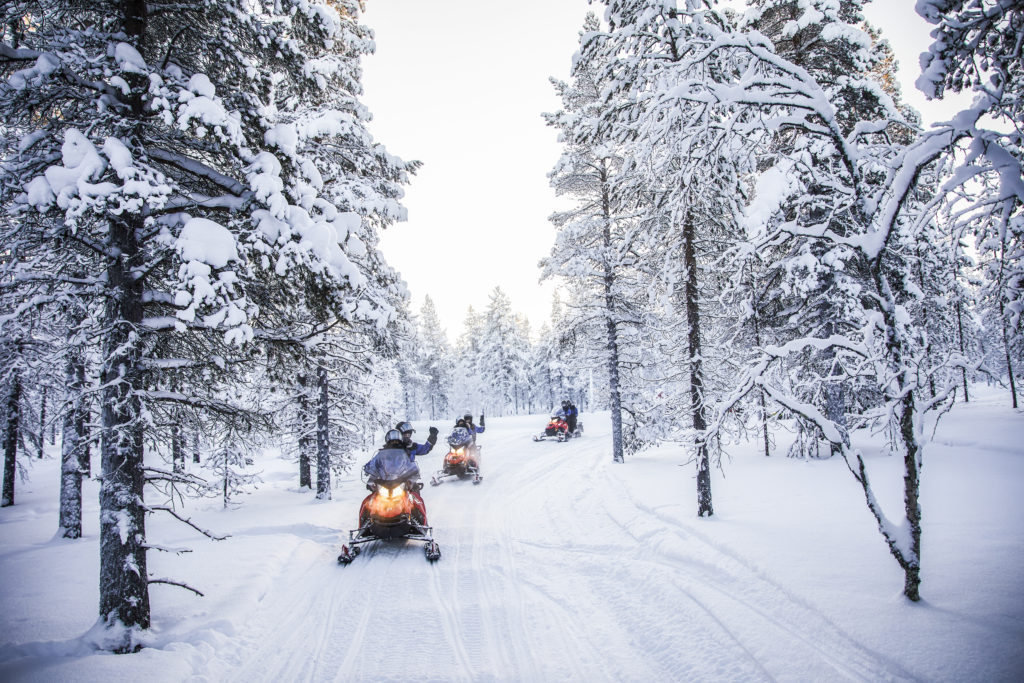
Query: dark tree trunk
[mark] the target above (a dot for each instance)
(305, 438)
(704, 507)
(195, 447)
(177, 450)
(908, 557)
(11, 439)
(42, 422)
(911, 499)
(323, 443)
(760, 393)
(835, 409)
(1009, 361)
(73, 438)
(960, 339)
(124, 577)
(612, 331)
(124, 590)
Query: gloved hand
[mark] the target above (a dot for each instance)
(433, 431)
(481, 419)
(432, 439)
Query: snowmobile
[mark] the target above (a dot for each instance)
(462, 460)
(394, 508)
(558, 428)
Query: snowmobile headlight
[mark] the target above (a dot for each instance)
(460, 451)
(391, 493)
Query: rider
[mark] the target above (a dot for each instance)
(411, 447)
(384, 459)
(570, 414)
(473, 429)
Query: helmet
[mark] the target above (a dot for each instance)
(393, 435)
(404, 427)
(468, 417)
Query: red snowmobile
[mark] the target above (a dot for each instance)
(558, 428)
(462, 460)
(394, 509)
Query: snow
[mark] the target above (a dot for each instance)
(207, 242)
(560, 566)
(129, 59)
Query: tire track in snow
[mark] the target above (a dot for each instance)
(732, 579)
(448, 605)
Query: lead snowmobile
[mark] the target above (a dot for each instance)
(462, 460)
(394, 508)
(558, 428)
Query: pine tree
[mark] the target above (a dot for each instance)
(160, 140)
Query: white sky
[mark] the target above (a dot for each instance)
(460, 85)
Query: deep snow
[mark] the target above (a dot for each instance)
(560, 566)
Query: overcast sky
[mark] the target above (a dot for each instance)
(460, 85)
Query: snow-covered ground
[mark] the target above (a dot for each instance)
(560, 566)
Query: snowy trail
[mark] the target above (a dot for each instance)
(553, 568)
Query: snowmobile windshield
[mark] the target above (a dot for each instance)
(391, 465)
(558, 415)
(459, 437)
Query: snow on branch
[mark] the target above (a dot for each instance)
(179, 584)
(188, 521)
(165, 549)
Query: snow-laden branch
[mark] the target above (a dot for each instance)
(188, 521)
(200, 169)
(179, 584)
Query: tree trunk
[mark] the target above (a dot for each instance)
(1009, 362)
(124, 590)
(42, 422)
(73, 435)
(614, 387)
(323, 444)
(177, 450)
(195, 447)
(960, 339)
(11, 438)
(911, 499)
(305, 440)
(704, 507)
(760, 393)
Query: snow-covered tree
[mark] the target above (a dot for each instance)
(199, 155)
(438, 361)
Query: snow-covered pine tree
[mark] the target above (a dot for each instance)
(438, 361)
(469, 387)
(592, 250)
(155, 136)
(683, 180)
(503, 355)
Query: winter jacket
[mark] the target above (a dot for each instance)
(414, 449)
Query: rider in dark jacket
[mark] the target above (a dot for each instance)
(570, 414)
(473, 429)
(411, 447)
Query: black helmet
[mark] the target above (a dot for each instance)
(404, 427)
(468, 417)
(393, 435)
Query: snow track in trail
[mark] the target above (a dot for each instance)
(553, 568)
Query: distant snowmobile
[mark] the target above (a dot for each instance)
(394, 509)
(559, 428)
(462, 460)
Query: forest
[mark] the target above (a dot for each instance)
(758, 232)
